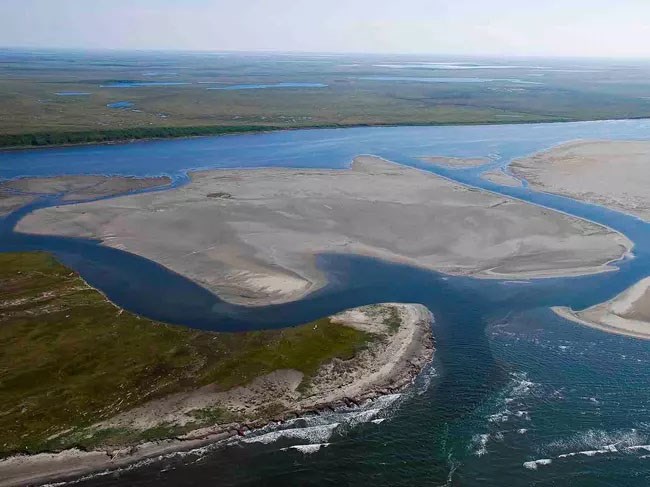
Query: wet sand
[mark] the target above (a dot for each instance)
(251, 235)
(10, 201)
(626, 314)
(82, 187)
(456, 162)
(610, 173)
(389, 364)
(501, 177)
(20, 192)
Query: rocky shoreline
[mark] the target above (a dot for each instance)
(389, 364)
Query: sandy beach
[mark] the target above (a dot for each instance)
(251, 235)
(626, 314)
(611, 173)
(403, 346)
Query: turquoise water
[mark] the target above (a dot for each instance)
(511, 384)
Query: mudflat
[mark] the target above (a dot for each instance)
(626, 314)
(610, 173)
(251, 235)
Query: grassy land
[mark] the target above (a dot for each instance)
(33, 113)
(70, 358)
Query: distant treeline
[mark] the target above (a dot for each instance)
(40, 139)
(43, 139)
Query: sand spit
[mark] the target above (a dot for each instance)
(403, 346)
(10, 201)
(626, 314)
(251, 235)
(76, 188)
(456, 162)
(610, 173)
(499, 176)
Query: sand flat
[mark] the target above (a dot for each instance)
(81, 187)
(611, 173)
(251, 235)
(10, 201)
(626, 314)
(456, 162)
(19, 192)
(499, 176)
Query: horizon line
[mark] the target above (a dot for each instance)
(313, 53)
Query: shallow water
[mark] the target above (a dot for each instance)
(467, 79)
(140, 84)
(121, 105)
(516, 395)
(269, 86)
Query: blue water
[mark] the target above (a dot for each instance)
(140, 84)
(468, 79)
(512, 382)
(269, 86)
(120, 105)
(72, 93)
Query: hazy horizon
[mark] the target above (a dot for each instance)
(471, 28)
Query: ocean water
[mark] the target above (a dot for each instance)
(516, 395)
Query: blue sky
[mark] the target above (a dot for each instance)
(603, 28)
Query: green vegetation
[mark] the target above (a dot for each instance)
(70, 358)
(33, 114)
(39, 139)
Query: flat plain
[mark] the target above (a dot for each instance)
(59, 97)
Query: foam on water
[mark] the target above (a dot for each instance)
(536, 463)
(479, 444)
(307, 449)
(599, 440)
(312, 434)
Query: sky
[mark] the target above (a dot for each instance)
(594, 28)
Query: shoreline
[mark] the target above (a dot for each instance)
(625, 314)
(389, 366)
(261, 130)
(574, 316)
(606, 172)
